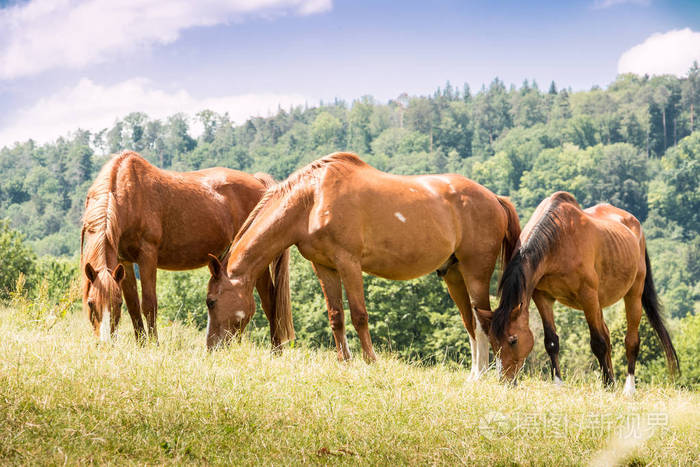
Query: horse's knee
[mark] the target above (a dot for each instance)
(336, 319)
(360, 319)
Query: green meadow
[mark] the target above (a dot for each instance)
(65, 399)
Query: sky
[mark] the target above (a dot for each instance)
(69, 64)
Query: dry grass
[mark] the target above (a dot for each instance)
(63, 398)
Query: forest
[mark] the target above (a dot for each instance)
(634, 144)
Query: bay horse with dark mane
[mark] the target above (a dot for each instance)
(347, 217)
(587, 259)
(136, 213)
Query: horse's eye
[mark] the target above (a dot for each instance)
(210, 303)
(512, 340)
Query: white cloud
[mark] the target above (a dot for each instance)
(45, 34)
(601, 4)
(90, 106)
(672, 53)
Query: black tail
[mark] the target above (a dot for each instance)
(650, 302)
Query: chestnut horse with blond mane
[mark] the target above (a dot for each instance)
(347, 217)
(136, 213)
(587, 259)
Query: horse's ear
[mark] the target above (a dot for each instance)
(484, 317)
(90, 272)
(215, 266)
(516, 312)
(119, 273)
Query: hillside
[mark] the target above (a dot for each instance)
(65, 399)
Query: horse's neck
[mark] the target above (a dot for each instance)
(533, 275)
(273, 231)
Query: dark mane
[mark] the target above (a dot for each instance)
(310, 172)
(514, 281)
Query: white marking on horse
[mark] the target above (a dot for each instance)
(629, 386)
(482, 347)
(558, 381)
(106, 326)
(413, 190)
(400, 217)
(240, 314)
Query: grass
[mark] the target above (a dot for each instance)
(66, 399)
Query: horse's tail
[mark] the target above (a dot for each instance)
(284, 324)
(650, 302)
(512, 237)
(279, 271)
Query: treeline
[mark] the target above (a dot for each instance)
(635, 144)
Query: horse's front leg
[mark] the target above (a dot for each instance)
(458, 291)
(545, 305)
(131, 297)
(266, 292)
(148, 267)
(351, 275)
(476, 278)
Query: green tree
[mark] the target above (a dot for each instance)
(675, 192)
(17, 258)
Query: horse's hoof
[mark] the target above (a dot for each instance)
(474, 376)
(558, 381)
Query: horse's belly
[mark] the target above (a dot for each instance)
(410, 267)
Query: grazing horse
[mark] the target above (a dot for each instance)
(136, 213)
(586, 259)
(347, 217)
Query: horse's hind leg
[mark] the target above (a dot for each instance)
(458, 291)
(600, 336)
(633, 309)
(333, 293)
(477, 275)
(545, 305)
(131, 297)
(351, 276)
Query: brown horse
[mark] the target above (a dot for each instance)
(136, 213)
(347, 217)
(586, 259)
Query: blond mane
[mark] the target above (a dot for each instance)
(311, 173)
(100, 217)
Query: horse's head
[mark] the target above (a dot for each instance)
(230, 304)
(511, 340)
(102, 299)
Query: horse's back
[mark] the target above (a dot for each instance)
(185, 215)
(403, 226)
(608, 212)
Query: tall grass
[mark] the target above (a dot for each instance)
(64, 398)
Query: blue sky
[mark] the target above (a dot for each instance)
(66, 64)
